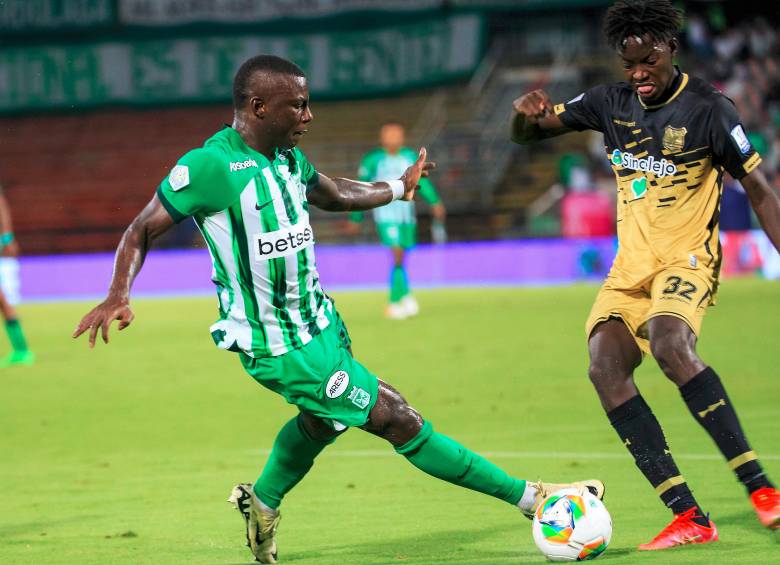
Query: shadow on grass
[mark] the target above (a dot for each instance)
(431, 548)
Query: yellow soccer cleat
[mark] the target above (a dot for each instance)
(261, 524)
(543, 490)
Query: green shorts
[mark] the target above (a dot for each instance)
(320, 378)
(392, 234)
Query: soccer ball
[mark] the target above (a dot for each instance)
(572, 525)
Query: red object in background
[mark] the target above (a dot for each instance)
(741, 254)
(587, 214)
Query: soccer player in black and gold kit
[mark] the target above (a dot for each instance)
(670, 137)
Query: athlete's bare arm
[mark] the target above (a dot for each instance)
(152, 222)
(766, 203)
(533, 118)
(344, 195)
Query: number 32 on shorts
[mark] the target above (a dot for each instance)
(676, 285)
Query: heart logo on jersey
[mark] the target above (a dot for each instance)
(639, 186)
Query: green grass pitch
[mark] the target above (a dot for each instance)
(126, 454)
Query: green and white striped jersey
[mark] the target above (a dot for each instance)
(379, 165)
(254, 217)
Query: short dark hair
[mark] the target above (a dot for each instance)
(260, 63)
(635, 18)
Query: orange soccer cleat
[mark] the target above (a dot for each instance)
(682, 531)
(766, 502)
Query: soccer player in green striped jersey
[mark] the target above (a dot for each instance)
(249, 190)
(9, 291)
(397, 222)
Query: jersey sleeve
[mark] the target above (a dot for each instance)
(584, 111)
(309, 175)
(731, 147)
(189, 187)
(367, 168)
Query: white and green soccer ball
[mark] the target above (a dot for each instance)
(572, 525)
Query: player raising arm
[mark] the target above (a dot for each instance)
(396, 223)
(669, 138)
(249, 189)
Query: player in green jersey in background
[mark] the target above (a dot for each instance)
(249, 189)
(397, 222)
(9, 291)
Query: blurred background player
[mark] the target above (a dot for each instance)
(669, 137)
(396, 222)
(9, 290)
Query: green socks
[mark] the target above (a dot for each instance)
(16, 335)
(446, 459)
(294, 452)
(291, 458)
(399, 283)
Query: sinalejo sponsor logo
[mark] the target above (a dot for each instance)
(337, 384)
(627, 160)
(281, 243)
(240, 165)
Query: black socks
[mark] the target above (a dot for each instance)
(642, 435)
(710, 405)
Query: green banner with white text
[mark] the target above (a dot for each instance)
(201, 69)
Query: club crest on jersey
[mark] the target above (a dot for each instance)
(179, 177)
(674, 139)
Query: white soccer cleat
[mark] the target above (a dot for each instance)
(409, 304)
(543, 490)
(396, 311)
(261, 524)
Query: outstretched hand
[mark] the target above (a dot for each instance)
(412, 175)
(102, 316)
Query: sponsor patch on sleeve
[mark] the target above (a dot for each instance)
(740, 138)
(179, 177)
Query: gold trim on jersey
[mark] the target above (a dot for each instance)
(622, 123)
(752, 163)
(635, 143)
(674, 139)
(665, 152)
(677, 92)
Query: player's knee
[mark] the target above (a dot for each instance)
(317, 429)
(613, 380)
(392, 418)
(605, 370)
(673, 354)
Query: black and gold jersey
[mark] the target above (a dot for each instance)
(669, 161)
